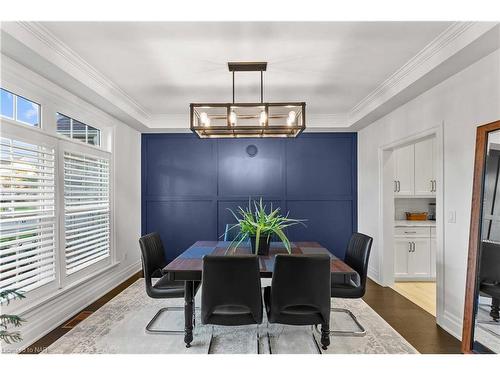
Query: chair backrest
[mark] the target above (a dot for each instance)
(489, 267)
(153, 256)
(301, 280)
(231, 281)
(358, 254)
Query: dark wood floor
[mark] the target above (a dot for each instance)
(415, 324)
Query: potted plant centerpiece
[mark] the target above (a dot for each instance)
(259, 226)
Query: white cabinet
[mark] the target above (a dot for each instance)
(425, 176)
(415, 170)
(404, 170)
(402, 249)
(420, 258)
(413, 258)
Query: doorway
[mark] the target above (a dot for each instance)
(411, 213)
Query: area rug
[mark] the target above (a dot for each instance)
(119, 327)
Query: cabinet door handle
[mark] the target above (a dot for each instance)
(413, 243)
(399, 186)
(435, 186)
(395, 189)
(410, 232)
(432, 185)
(409, 247)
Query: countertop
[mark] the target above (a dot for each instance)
(414, 223)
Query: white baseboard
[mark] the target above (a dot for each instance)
(44, 319)
(373, 274)
(414, 278)
(451, 324)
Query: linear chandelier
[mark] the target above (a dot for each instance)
(239, 120)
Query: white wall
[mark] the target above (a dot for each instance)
(127, 158)
(124, 142)
(461, 103)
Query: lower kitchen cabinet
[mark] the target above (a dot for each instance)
(402, 250)
(414, 256)
(420, 258)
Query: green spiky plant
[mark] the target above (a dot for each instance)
(258, 223)
(7, 321)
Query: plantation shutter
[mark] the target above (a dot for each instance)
(86, 210)
(27, 215)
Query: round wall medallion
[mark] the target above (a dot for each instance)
(252, 150)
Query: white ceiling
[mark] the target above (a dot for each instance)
(163, 66)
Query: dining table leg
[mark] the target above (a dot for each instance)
(188, 312)
(325, 336)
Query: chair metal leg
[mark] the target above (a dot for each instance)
(360, 333)
(211, 339)
(161, 331)
(268, 338)
(318, 348)
(258, 340)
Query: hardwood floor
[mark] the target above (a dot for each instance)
(415, 324)
(421, 293)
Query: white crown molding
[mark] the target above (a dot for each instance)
(456, 37)
(40, 40)
(12, 72)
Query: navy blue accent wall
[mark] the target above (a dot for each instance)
(188, 184)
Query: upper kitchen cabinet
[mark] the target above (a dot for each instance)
(415, 170)
(404, 174)
(425, 170)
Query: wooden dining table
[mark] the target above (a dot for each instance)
(188, 267)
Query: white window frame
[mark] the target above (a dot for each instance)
(12, 129)
(14, 113)
(82, 148)
(31, 134)
(53, 99)
(87, 126)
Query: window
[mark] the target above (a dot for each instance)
(78, 130)
(7, 104)
(19, 109)
(86, 210)
(27, 213)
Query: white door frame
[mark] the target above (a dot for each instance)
(386, 211)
